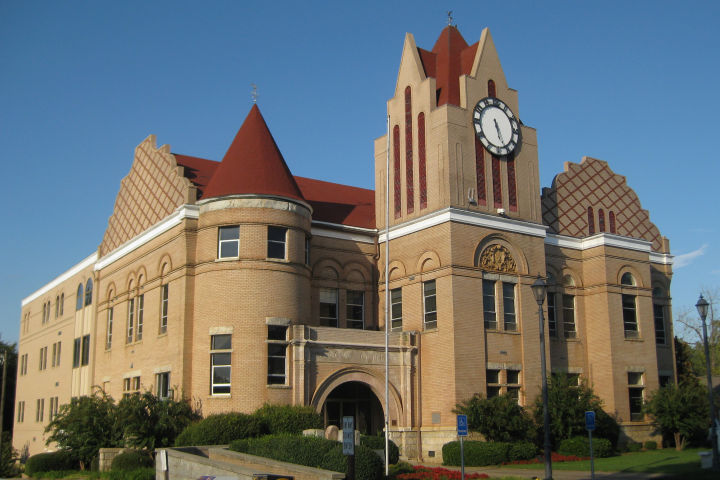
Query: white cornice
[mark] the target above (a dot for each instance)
(609, 240)
(181, 213)
(61, 278)
(343, 232)
(467, 217)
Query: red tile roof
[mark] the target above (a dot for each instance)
(450, 58)
(253, 164)
(342, 204)
(197, 170)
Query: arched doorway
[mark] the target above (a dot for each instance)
(357, 400)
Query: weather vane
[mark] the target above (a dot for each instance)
(254, 93)
(450, 19)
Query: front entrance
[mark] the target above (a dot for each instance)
(354, 399)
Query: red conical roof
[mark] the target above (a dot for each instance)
(253, 164)
(450, 57)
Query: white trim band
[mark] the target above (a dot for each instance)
(61, 278)
(609, 240)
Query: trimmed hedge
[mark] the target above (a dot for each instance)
(291, 419)
(650, 445)
(52, 461)
(378, 443)
(312, 452)
(633, 446)
(580, 447)
(131, 460)
(221, 429)
(521, 451)
(477, 454)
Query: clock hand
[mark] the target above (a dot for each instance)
(497, 127)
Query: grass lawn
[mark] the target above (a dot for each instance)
(668, 460)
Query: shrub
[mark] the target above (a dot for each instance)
(522, 451)
(46, 462)
(499, 419)
(378, 443)
(400, 467)
(221, 429)
(312, 452)
(580, 447)
(131, 460)
(633, 446)
(137, 474)
(291, 419)
(650, 445)
(477, 454)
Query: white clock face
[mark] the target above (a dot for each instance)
(496, 126)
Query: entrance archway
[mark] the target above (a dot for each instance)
(357, 400)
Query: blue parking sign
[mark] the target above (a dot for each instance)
(462, 426)
(589, 421)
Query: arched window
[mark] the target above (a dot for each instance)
(88, 292)
(422, 173)
(627, 279)
(79, 300)
(601, 220)
(611, 216)
(591, 221)
(491, 88)
(409, 177)
(629, 307)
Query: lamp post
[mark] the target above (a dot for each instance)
(539, 288)
(702, 308)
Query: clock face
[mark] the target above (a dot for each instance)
(496, 126)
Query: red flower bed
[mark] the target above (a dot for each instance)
(556, 457)
(427, 473)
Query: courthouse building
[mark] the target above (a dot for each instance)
(236, 283)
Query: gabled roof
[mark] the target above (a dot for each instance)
(253, 164)
(450, 58)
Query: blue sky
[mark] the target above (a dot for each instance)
(82, 83)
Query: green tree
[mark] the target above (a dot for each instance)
(85, 425)
(690, 327)
(680, 411)
(149, 422)
(498, 419)
(685, 363)
(10, 350)
(8, 457)
(568, 401)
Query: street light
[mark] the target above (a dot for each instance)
(702, 308)
(539, 288)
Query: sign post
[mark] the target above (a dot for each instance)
(590, 426)
(462, 431)
(349, 445)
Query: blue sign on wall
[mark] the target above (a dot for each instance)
(462, 426)
(589, 421)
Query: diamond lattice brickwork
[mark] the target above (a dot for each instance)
(591, 183)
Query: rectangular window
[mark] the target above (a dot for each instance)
(569, 316)
(635, 393)
(220, 364)
(509, 307)
(54, 354)
(131, 386)
(130, 321)
(277, 353)
(21, 412)
(23, 364)
(430, 304)
(552, 318)
(328, 307)
(40, 410)
(276, 242)
(355, 309)
(513, 383)
(76, 352)
(396, 308)
(140, 315)
(43, 358)
(162, 383)
(492, 379)
(108, 335)
(229, 242)
(489, 314)
(53, 409)
(659, 314)
(59, 350)
(629, 316)
(85, 350)
(165, 292)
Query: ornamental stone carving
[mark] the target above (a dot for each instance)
(497, 258)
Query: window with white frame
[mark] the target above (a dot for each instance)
(56, 354)
(43, 358)
(229, 241)
(40, 410)
(21, 411)
(328, 307)
(140, 317)
(276, 239)
(131, 386)
(109, 330)
(629, 316)
(635, 394)
(165, 296)
(355, 309)
(220, 364)
(489, 313)
(552, 314)
(130, 321)
(430, 304)
(510, 320)
(396, 308)
(277, 355)
(569, 328)
(162, 385)
(53, 410)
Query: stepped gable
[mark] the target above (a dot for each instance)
(450, 58)
(340, 204)
(592, 183)
(253, 164)
(153, 188)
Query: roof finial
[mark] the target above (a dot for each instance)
(254, 93)
(450, 18)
